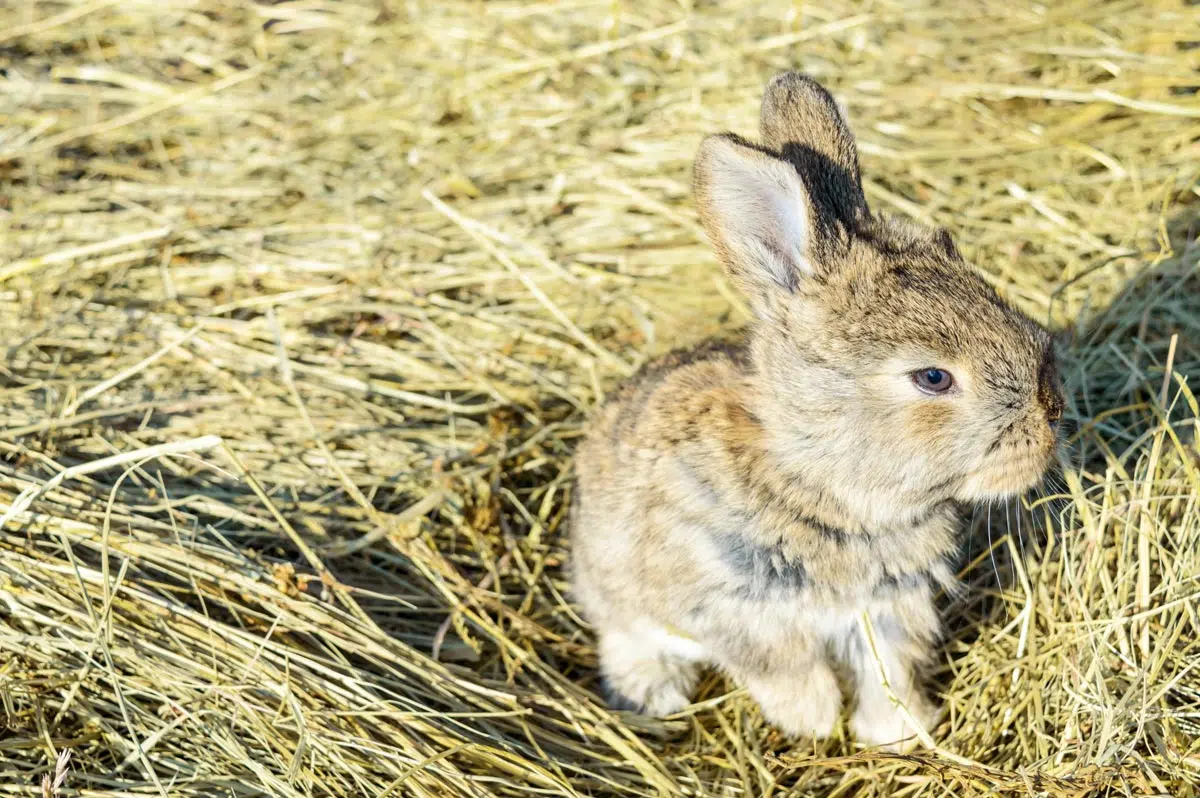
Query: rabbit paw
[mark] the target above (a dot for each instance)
(648, 693)
(639, 678)
(802, 705)
(880, 723)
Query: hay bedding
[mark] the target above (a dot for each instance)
(303, 305)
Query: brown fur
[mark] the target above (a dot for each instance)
(744, 503)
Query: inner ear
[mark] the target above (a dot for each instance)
(757, 212)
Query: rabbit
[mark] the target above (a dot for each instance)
(748, 502)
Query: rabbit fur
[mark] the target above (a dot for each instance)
(747, 502)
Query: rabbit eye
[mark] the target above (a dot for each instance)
(933, 380)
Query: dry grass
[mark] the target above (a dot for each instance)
(303, 305)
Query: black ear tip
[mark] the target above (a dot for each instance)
(788, 88)
(791, 79)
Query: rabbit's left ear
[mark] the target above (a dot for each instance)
(758, 216)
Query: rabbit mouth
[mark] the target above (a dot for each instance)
(1004, 480)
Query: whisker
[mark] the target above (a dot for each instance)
(1044, 504)
(1007, 534)
(1020, 535)
(971, 534)
(1061, 486)
(1053, 507)
(992, 548)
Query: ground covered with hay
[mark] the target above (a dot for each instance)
(303, 305)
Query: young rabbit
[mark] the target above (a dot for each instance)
(744, 504)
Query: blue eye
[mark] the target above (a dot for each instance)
(933, 380)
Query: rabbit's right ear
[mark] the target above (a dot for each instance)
(801, 121)
(757, 214)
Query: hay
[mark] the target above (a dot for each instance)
(390, 253)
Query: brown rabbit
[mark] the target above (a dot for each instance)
(745, 504)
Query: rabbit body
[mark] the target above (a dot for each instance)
(694, 548)
(749, 503)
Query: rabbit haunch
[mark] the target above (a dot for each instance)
(744, 504)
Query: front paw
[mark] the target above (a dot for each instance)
(881, 723)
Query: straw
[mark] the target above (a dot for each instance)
(304, 307)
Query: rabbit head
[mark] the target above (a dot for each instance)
(884, 367)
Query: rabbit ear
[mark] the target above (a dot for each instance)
(758, 215)
(801, 121)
